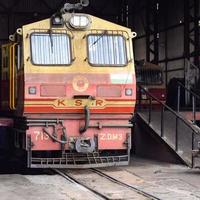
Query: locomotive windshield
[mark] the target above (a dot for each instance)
(149, 76)
(107, 50)
(50, 49)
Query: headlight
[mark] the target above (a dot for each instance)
(32, 90)
(79, 21)
(128, 92)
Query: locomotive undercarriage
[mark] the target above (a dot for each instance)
(81, 151)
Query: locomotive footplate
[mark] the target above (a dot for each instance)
(80, 160)
(70, 160)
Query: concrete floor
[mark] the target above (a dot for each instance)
(40, 187)
(166, 181)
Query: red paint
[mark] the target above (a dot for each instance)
(49, 109)
(52, 90)
(58, 88)
(189, 115)
(108, 138)
(159, 93)
(101, 81)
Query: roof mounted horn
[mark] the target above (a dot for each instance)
(84, 3)
(77, 6)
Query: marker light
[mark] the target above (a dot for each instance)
(32, 90)
(79, 21)
(57, 20)
(163, 96)
(128, 92)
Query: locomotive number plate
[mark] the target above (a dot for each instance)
(40, 135)
(111, 136)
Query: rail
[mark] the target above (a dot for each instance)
(119, 182)
(81, 183)
(194, 97)
(161, 109)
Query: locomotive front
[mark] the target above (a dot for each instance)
(79, 92)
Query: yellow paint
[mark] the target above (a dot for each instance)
(79, 47)
(9, 72)
(80, 103)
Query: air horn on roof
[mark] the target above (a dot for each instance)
(76, 6)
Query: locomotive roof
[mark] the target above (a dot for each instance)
(99, 23)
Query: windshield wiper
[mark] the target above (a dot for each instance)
(51, 40)
(105, 32)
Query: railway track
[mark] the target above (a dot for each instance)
(79, 184)
(152, 197)
(79, 178)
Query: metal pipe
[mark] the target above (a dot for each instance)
(176, 135)
(87, 120)
(91, 126)
(162, 122)
(43, 120)
(194, 109)
(140, 99)
(40, 124)
(54, 138)
(150, 109)
(127, 14)
(178, 101)
(192, 148)
(112, 126)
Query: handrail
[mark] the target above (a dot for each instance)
(191, 74)
(13, 81)
(178, 120)
(12, 77)
(190, 91)
(192, 64)
(168, 108)
(194, 98)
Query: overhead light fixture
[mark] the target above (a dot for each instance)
(79, 21)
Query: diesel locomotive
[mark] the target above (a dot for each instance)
(150, 76)
(69, 84)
